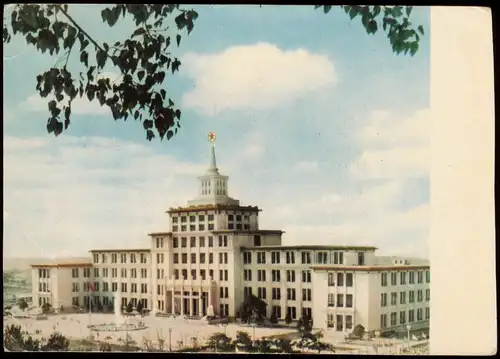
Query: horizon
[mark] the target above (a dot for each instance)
(333, 148)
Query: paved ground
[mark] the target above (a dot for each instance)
(74, 326)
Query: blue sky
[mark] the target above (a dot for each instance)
(318, 123)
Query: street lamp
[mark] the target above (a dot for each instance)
(377, 335)
(408, 328)
(169, 339)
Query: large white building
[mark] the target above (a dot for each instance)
(216, 253)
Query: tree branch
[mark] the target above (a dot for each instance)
(68, 16)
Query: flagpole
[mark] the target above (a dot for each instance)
(90, 303)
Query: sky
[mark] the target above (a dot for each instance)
(319, 124)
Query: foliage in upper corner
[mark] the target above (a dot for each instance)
(394, 21)
(144, 60)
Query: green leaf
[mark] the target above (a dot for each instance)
(163, 93)
(353, 12)
(408, 10)
(140, 75)
(327, 9)
(178, 39)
(101, 58)
(420, 29)
(376, 11)
(84, 58)
(169, 134)
(139, 31)
(372, 27)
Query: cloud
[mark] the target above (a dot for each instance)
(393, 147)
(306, 166)
(79, 106)
(256, 76)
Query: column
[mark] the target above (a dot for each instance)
(182, 303)
(190, 306)
(200, 303)
(173, 301)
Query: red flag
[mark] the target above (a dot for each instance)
(91, 287)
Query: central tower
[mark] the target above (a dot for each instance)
(212, 186)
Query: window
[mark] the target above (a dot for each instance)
(230, 217)
(290, 257)
(175, 219)
(276, 293)
(105, 272)
(394, 298)
(394, 279)
(183, 242)
(176, 274)
(221, 258)
(114, 258)
(427, 313)
(383, 321)
(144, 273)
(290, 276)
(211, 274)
(202, 241)
(184, 273)
(247, 258)
(275, 257)
(276, 310)
(331, 300)
(74, 273)
(330, 321)
(321, 257)
(276, 275)
(220, 241)
(210, 217)
(247, 291)
(420, 296)
(427, 276)
(193, 273)
(132, 258)
(348, 300)
(96, 258)
(411, 296)
(340, 279)
(340, 323)
(306, 276)
(261, 275)
(144, 288)
(412, 278)
(226, 275)
(383, 277)
(348, 322)
(402, 278)
(114, 287)
(340, 300)
(394, 318)
(114, 272)
(123, 258)
(203, 274)
(306, 257)
(419, 315)
(261, 292)
(247, 275)
(143, 258)
(383, 299)
(210, 258)
(427, 295)
(210, 241)
(176, 258)
(123, 287)
(104, 258)
(175, 228)
(290, 294)
(183, 219)
(331, 279)
(123, 273)
(184, 257)
(210, 226)
(225, 241)
(192, 242)
(402, 317)
(256, 241)
(192, 218)
(349, 279)
(402, 298)
(175, 242)
(306, 295)
(202, 258)
(361, 258)
(221, 274)
(193, 258)
(225, 258)
(261, 257)
(420, 277)
(292, 311)
(411, 316)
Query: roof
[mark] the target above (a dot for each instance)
(63, 264)
(214, 207)
(312, 247)
(255, 231)
(160, 234)
(123, 250)
(372, 268)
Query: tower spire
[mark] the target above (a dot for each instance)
(212, 167)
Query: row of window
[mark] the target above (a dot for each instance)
(290, 311)
(75, 288)
(339, 303)
(223, 242)
(276, 275)
(402, 297)
(405, 317)
(123, 257)
(210, 217)
(291, 293)
(43, 273)
(223, 258)
(104, 272)
(43, 287)
(332, 257)
(75, 272)
(338, 279)
(223, 274)
(339, 322)
(403, 276)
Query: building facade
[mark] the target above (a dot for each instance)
(215, 254)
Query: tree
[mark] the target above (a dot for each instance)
(23, 305)
(46, 308)
(243, 340)
(56, 342)
(253, 309)
(129, 308)
(273, 319)
(17, 340)
(220, 341)
(140, 307)
(144, 58)
(288, 318)
(358, 331)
